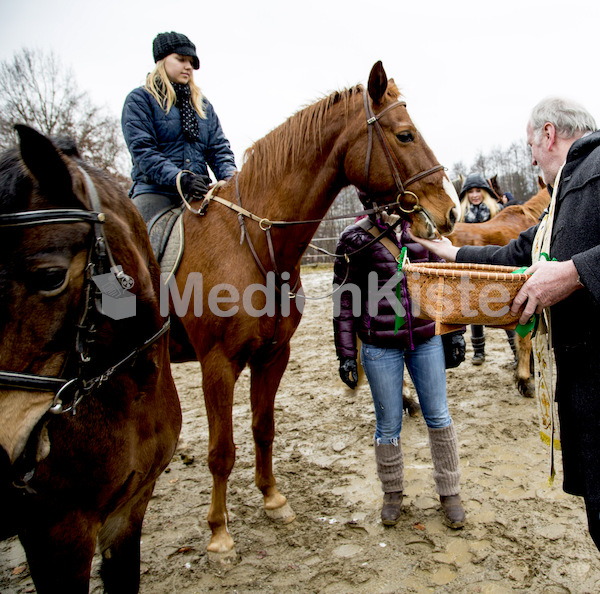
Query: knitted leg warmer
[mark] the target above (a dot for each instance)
(390, 466)
(444, 454)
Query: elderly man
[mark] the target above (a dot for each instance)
(563, 252)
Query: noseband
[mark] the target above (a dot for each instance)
(100, 261)
(394, 165)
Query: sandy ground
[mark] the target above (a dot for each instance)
(522, 535)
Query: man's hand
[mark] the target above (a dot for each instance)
(550, 283)
(349, 372)
(441, 247)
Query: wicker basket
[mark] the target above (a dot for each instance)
(458, 294)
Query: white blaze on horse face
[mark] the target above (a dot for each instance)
(449, 188)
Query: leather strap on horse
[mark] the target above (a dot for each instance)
(381, 236)
(373, 122)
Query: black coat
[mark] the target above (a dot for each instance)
(576, 319)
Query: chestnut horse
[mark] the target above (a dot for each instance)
(507, 225)
(358, 136)
(89, 414)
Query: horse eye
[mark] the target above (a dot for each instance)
(48, 281)
(405, 137)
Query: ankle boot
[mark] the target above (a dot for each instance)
(392, 507)
(454, 514)
(478, 343)
(446, 473)
(390, 470)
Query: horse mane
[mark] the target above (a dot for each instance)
(536, 204)
(281, 149)
(15, 182)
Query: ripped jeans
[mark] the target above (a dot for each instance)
(385, 371)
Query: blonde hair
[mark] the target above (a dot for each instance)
(160, 87)
(487, 200)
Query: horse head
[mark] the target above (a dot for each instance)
(49, 232)
(390, 161)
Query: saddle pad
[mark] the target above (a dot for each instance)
(173, 248)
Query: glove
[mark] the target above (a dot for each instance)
(349, 372)
(454, 348)
(193, 185)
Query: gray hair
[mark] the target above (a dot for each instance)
(569, 118)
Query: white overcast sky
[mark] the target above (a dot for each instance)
(470, 69)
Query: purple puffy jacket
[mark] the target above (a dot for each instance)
(377, 329)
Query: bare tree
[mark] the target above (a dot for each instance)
(35, 89)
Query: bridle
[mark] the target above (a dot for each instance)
(393, 164)
(69, 391)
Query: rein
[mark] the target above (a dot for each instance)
(99, 260)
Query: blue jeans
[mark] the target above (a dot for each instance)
(385, 371)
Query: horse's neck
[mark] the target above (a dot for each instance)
(536, 205)
(300, 187)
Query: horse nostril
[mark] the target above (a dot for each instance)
(453, 216)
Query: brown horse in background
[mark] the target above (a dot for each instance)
(354, 137)
(507, 225)
(89, 414)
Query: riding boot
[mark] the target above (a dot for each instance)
(390, 470)
(510, 334)
(446, 473)
(478, 342)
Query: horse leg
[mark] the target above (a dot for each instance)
(523, 370)
(409, 404)
(265, 378)
(119, 544)
(60, 553)
(218, 381)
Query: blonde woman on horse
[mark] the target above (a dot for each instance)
(172, 131)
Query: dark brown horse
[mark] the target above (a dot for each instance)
(89, 414)
(360, 137)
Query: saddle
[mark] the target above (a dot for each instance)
(165, 230)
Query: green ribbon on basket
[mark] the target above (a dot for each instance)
(399, 320)
(531, 326)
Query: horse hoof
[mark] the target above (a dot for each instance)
(526, 388)
(223, 559)
(282, 515)
(220, 543)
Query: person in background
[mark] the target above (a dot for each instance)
(478, 206)
(172, 131)
(563, 255)
(508, 199)
(384, 353)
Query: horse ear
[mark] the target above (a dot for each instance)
(44, 162)
(541, 183)
(378, 82)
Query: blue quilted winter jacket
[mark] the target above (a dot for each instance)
(159, 151)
